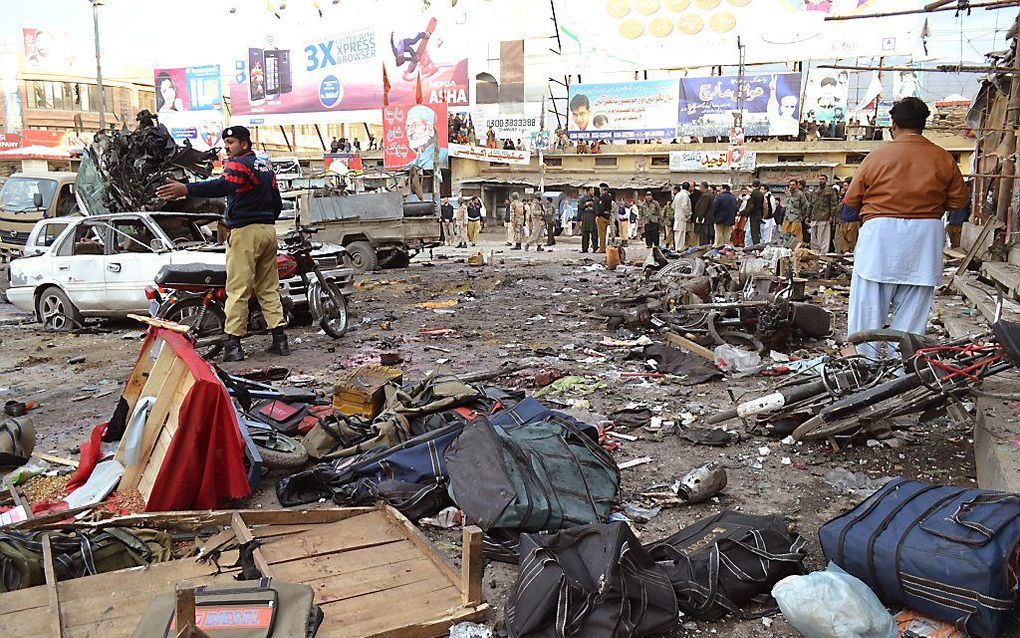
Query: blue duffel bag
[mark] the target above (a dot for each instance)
(946, 552)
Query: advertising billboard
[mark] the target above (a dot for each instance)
(623, 110)
(413, 135)
(653, 34)
(770, 104)
(431, 46)
(710, 161)
(189, 103)
(47, 50)
(346, 164)
(492, 155)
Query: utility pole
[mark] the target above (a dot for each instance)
(541, 151)
(99, 66)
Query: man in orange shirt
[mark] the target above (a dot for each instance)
(902, 189)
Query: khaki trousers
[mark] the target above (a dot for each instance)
(251, 269)
(954, 233)
(602, 226)
(794, 228)
(448, 232)
(846, 236)
(669, 233)
(722, 234)
(821, 234)
(537, 235)
(473, 229)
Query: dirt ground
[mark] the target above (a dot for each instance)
(528, 308)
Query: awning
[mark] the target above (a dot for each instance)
(35, 153)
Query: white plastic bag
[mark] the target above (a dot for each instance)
(733, 359)
(833, 604)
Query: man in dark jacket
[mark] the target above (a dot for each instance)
(955, 220)
(603, 215)
(724, 209)
(446, 216)
(703, 214)
(586, 213)
(253, 205)
(755, 211)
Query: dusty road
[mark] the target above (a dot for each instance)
(527, 308)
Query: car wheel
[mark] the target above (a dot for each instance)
(56, 311)
(363, 257)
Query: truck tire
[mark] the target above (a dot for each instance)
(397, 258)
(363, 257)
(56, 310)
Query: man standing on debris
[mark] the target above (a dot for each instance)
(518, 215)
(681, 214)
(586, 213)
(536, 223)
(704, 217)
(650, 217)
(823, 204)
(724, 210)
(603, 215)
(549, 217)
(474, 220)
(446, 215)
(902, 189)
(253, 205)
(460, 219)
(755, 212)
(794, 211)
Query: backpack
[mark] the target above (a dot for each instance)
(593, 581)
(545, 471)
(262, 608)
(947, 552)
(720, 564)
(17, 442)
(77, 554)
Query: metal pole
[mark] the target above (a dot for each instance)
(99, 66)
(541, 151)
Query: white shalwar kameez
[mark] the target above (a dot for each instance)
(897, 265)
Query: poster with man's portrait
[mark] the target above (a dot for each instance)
(415, 135)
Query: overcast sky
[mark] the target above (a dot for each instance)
(191, 32)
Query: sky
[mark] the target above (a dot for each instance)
(138, 35)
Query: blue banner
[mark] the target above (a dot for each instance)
(770, 103)
(623, 111)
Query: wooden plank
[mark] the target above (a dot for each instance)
(353, 561)
(690, 346)
(376, 612)
(139, 375)
(159, 450)
(146, 380)
(334, 588)
(59, 460)
(977, 246)
(168, 398)
(244, 536)
(199, 520)
(472, 566)
(56, 631)
(418, 538)
(984, 303)
(436, 627)
(367, 530)
(184, 611)
(16, 495)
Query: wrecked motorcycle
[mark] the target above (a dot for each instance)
(196, 294)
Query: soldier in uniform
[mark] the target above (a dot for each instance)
(549, 213)
(536, 223)
(650, 219)
(518, 214)
(823, 205)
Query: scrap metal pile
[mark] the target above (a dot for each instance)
(701, 298)
(133, 164)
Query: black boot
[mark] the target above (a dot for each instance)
(280, 345)
(232, 350)
(516, 247)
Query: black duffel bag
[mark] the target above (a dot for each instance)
(722, 563)
(593, 581)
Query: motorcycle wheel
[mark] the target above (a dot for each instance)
(331, 315)
(280, 452)
(186, 312)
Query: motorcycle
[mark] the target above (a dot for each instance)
(195, 295)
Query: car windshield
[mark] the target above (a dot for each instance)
(18, 194)
(182, 231)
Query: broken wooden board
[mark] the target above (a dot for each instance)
(374, 574)
(1003, 274)
(984, 299)
(688, 345)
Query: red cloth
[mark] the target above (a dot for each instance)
(88, 459)
(204, 466)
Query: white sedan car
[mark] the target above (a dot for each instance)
(99, 266)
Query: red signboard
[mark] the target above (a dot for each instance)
(63, 140)
(412, 135)
(9, 141)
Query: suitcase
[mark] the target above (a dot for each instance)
(947, 552)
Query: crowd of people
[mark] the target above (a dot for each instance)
(345, 145)
(461, 129)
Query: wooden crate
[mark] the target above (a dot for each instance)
(374, 574)
(361, 392)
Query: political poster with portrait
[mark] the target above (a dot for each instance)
(906, 83)
(47, 50)
(415, 135)
(623, 110)
(343, 164)
(189, 103)
(825, 99)
(770, 103)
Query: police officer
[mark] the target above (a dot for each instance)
(253, 205)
